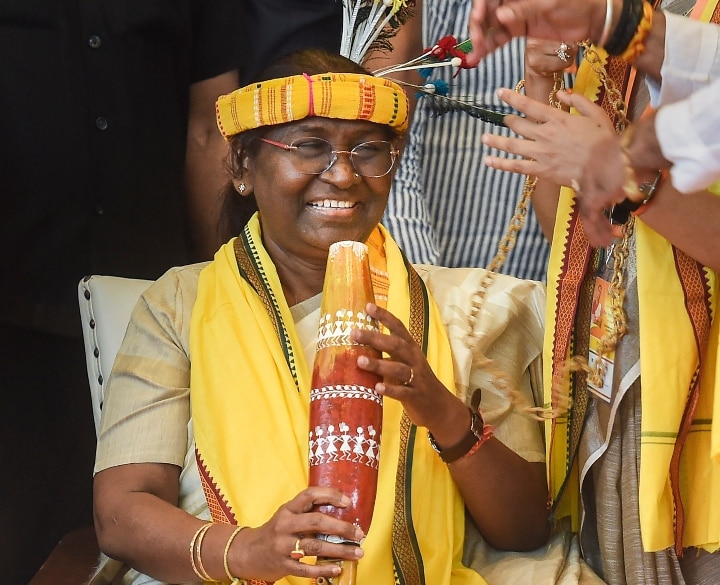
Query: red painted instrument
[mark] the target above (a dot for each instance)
(345, 410)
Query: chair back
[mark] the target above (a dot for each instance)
(105, 306)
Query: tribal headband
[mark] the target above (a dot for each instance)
(347, 96)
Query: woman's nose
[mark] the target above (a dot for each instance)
(341, 170)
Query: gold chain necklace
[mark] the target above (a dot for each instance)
(620, 251)
(505, 246)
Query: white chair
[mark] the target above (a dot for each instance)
(105, 306)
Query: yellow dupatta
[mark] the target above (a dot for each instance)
(674, 341)
(250, 405)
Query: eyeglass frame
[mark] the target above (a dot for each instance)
(394, 152)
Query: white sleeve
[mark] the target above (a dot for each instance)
(692, 59)
(688, 132)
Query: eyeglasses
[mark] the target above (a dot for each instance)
(314, 156)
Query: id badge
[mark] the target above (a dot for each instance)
(602, 324)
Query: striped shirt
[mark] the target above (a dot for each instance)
(446, 207)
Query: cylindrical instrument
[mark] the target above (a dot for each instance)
(345, 410)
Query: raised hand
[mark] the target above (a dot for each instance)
(582, 152)
(493, 23)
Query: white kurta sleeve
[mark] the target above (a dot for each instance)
(688, 132)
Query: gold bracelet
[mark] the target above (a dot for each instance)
(630, 186)
(198, 536)
(200, 570)
(226, 564)
(608, 23)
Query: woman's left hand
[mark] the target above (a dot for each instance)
(407, 374)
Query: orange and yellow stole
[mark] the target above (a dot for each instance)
(250, 385)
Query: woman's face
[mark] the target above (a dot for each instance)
(301, 214)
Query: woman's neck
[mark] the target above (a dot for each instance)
(300, 279)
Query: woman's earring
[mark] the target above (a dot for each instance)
(241, 188)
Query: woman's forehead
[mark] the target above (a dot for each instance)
(330, 127)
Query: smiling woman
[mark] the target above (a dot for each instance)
(202, 465)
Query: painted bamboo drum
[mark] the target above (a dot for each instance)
(345, 410)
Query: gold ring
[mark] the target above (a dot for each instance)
(297, 553)
(412, 375)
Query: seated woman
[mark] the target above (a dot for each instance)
(206, 412)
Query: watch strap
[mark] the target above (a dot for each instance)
(473, 435)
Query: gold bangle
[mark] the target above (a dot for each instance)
(195, 543)
(608, 23)
(630, 186)
(226, 564)
(200, 569)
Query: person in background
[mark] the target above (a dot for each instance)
(96, 98)
(681, 133)
(636, 453)
(445, 206)
(112, 164)
(263, 36)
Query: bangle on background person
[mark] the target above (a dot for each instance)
(627, 27)
(638, 44)
(609, 7)
(630, 186)
(226, 563)
(195, 548)
(474, 438)
(620, 212)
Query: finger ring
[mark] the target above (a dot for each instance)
(412, 375)
(562, 52)
(297, 553)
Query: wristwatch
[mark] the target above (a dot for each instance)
(620, 213)
(472, 436)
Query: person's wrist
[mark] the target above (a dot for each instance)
(450, 425)
(235, 557)
(475, 435)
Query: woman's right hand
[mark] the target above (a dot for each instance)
(264, 552)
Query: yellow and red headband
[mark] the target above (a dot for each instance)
(347, 96)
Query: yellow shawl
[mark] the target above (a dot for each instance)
(250, 406)
(671, 348)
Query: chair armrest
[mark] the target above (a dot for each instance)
(72, 560)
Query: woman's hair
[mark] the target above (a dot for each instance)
(237, 210)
